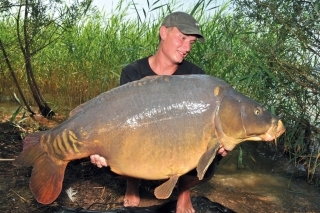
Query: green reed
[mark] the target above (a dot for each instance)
(88, 61)
(89, 58)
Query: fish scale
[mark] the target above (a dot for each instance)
(159, 127)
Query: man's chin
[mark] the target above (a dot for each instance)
(179, 61)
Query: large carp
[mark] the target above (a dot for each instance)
(159, 127)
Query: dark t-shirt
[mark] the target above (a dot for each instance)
(141, 68)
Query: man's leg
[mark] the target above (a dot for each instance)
(185, 183)
(132, 197)
(189, 180)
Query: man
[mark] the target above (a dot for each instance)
(178, 32)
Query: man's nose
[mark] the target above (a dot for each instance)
(187, 46)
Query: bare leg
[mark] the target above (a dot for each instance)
(132, 197)
(186, 182)
(184, 204)
(189, 180)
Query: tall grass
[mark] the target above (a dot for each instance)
(89, 58)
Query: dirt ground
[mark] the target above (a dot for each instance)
(272, 186)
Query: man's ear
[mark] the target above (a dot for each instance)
(163, 32)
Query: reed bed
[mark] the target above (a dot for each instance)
(88, 61)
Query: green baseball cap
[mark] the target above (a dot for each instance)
(184, 22)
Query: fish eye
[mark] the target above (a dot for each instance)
(257, 110)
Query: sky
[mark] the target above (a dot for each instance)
(107, 5)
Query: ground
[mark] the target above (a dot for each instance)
(269, 183)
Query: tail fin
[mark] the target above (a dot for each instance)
(47, 173)
(32, 139)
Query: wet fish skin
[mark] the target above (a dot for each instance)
(160, 127)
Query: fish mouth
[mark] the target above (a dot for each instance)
(274, 132)
(267, 137)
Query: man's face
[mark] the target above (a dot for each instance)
(176, 45)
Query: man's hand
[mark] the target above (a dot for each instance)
(222, 152)
(98, 160)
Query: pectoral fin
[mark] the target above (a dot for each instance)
(164, 190)
(206, 159)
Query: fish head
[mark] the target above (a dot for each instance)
(239, 118)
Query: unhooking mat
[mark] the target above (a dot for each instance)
(200, 204)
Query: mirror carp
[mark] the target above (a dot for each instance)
(157, 128)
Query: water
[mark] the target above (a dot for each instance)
(267, 182)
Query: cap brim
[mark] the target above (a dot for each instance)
(191, 31)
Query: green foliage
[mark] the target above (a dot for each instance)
(286, 50)
(268, 50)
(17, 119)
